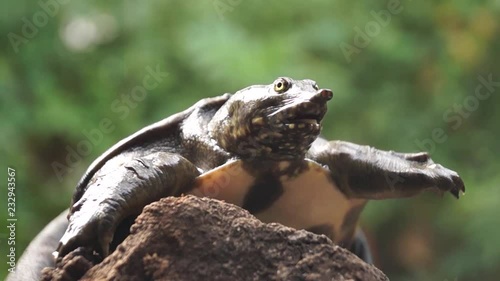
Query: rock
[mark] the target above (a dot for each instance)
(191, 238)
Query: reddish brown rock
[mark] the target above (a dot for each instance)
(191, 238)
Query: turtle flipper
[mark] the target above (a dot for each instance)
(369, 173)
(118, 191)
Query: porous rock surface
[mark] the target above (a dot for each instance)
(191, 238)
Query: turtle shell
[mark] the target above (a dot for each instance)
(308, 199)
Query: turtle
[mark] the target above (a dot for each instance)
(259, 148)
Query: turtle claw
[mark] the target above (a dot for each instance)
(455, 193)
(447, 180)
(94, 231)
(421, 157)
(458, 188)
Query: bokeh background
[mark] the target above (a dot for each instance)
(407, 76)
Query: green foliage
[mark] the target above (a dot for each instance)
(398, 92)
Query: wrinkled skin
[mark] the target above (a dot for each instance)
(262, 127)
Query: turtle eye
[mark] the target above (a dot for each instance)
(281, 85)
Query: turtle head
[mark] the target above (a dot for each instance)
(271, 122)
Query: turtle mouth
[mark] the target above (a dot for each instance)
(307, 116)
(305, 120)
(292, 131)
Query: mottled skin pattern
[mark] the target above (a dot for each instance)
(268, 134)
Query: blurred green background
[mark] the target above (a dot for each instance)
(407, 76)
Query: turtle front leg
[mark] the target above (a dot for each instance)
(122, 188)
(369, 173)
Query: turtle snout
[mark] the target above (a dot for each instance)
(322, 96)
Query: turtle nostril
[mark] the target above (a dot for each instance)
(326, 94)
(322, 96)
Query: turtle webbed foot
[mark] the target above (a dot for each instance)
(438, 177)
(446, 180)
